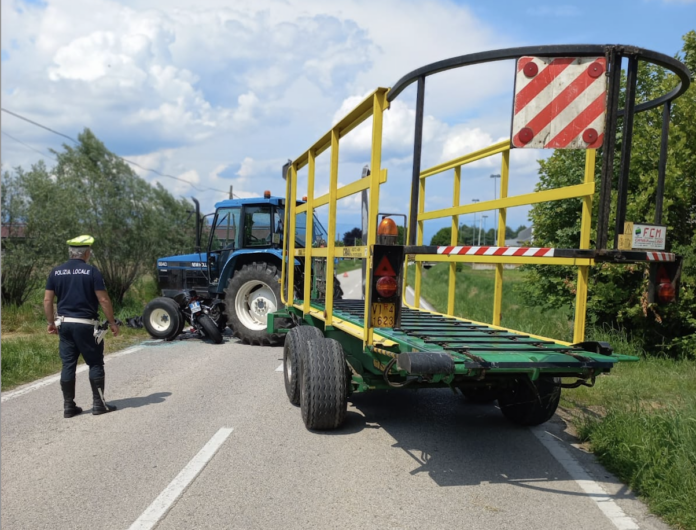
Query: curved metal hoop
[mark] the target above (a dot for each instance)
(573, 50)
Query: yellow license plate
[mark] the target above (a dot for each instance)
(383, 315)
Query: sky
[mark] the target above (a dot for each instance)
(222, 93)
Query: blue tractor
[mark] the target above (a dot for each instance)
(236, 280)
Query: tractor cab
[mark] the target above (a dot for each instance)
(241, 231)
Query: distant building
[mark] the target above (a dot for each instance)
(13, 230)
(523, 239)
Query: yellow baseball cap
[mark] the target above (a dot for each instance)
(81, 241)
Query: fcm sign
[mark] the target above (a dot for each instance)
(650, 237)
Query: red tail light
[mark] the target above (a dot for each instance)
(665, 289)
(386, 286)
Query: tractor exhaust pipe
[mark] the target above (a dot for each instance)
(198, 224)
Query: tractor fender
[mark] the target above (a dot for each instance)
(272, 255)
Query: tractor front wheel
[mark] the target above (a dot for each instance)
(162, 318)
(251, 294)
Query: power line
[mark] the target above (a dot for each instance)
(120, 157)
(26, 145)
(39, 125)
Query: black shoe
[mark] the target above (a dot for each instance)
(99, 406)
(70, 409)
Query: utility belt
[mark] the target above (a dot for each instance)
(99, 329)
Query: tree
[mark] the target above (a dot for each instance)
(617, 292)
(349, 238)
(22, 259)
(92, 191)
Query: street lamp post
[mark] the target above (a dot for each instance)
(484, 230)
(473, 228)
(495, 194)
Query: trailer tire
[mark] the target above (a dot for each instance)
(162, 318)
(210, 329)
(252, 292)
(323, 394)
(520, 404)
(295, 347)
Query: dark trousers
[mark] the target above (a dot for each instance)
(76, 339)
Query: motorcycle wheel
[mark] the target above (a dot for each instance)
(210, 329)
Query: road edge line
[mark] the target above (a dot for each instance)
(30, 387)
(593, 489)
(165, 500)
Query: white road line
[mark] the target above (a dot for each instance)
(280, 368)
(6, 396)
(594, 490)
(163, 503)
(425, 305)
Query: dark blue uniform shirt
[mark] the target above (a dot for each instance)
(75, 283)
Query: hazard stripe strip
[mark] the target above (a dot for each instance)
(660, 256)
(497, 251)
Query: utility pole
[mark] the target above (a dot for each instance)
(473, 227)
(495, 195)
(484, 230)
(480, 226)
(231, 194)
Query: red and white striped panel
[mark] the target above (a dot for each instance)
(560, 103)
(660, 256)
(497, 251)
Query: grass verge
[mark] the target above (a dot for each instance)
(346, 265)
(29, 352)
(640, 420)
(474, 300)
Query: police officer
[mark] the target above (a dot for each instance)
(80, 290)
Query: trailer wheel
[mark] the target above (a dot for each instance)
(162, 318)
(252, 293)
(521, 405)
(210, 329)
(295, 347)
(323, 394)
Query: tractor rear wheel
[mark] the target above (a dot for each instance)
(162, 318)
(295, 347)
(252, 293)
(524, 406)
(324, 393)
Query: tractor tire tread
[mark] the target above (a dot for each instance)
(249, 272)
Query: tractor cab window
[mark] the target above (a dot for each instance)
(257, 226)
(225, 234)
(320, 236)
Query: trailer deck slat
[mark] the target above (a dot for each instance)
(496, 348)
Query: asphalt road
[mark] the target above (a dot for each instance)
(426, 459)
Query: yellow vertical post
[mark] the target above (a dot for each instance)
(502, 223)
(291, 236)
(419, 241)
(584, 270)
(286, 222)
(379, 104)
(331, 243)
(309, 234)
(454, 240)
